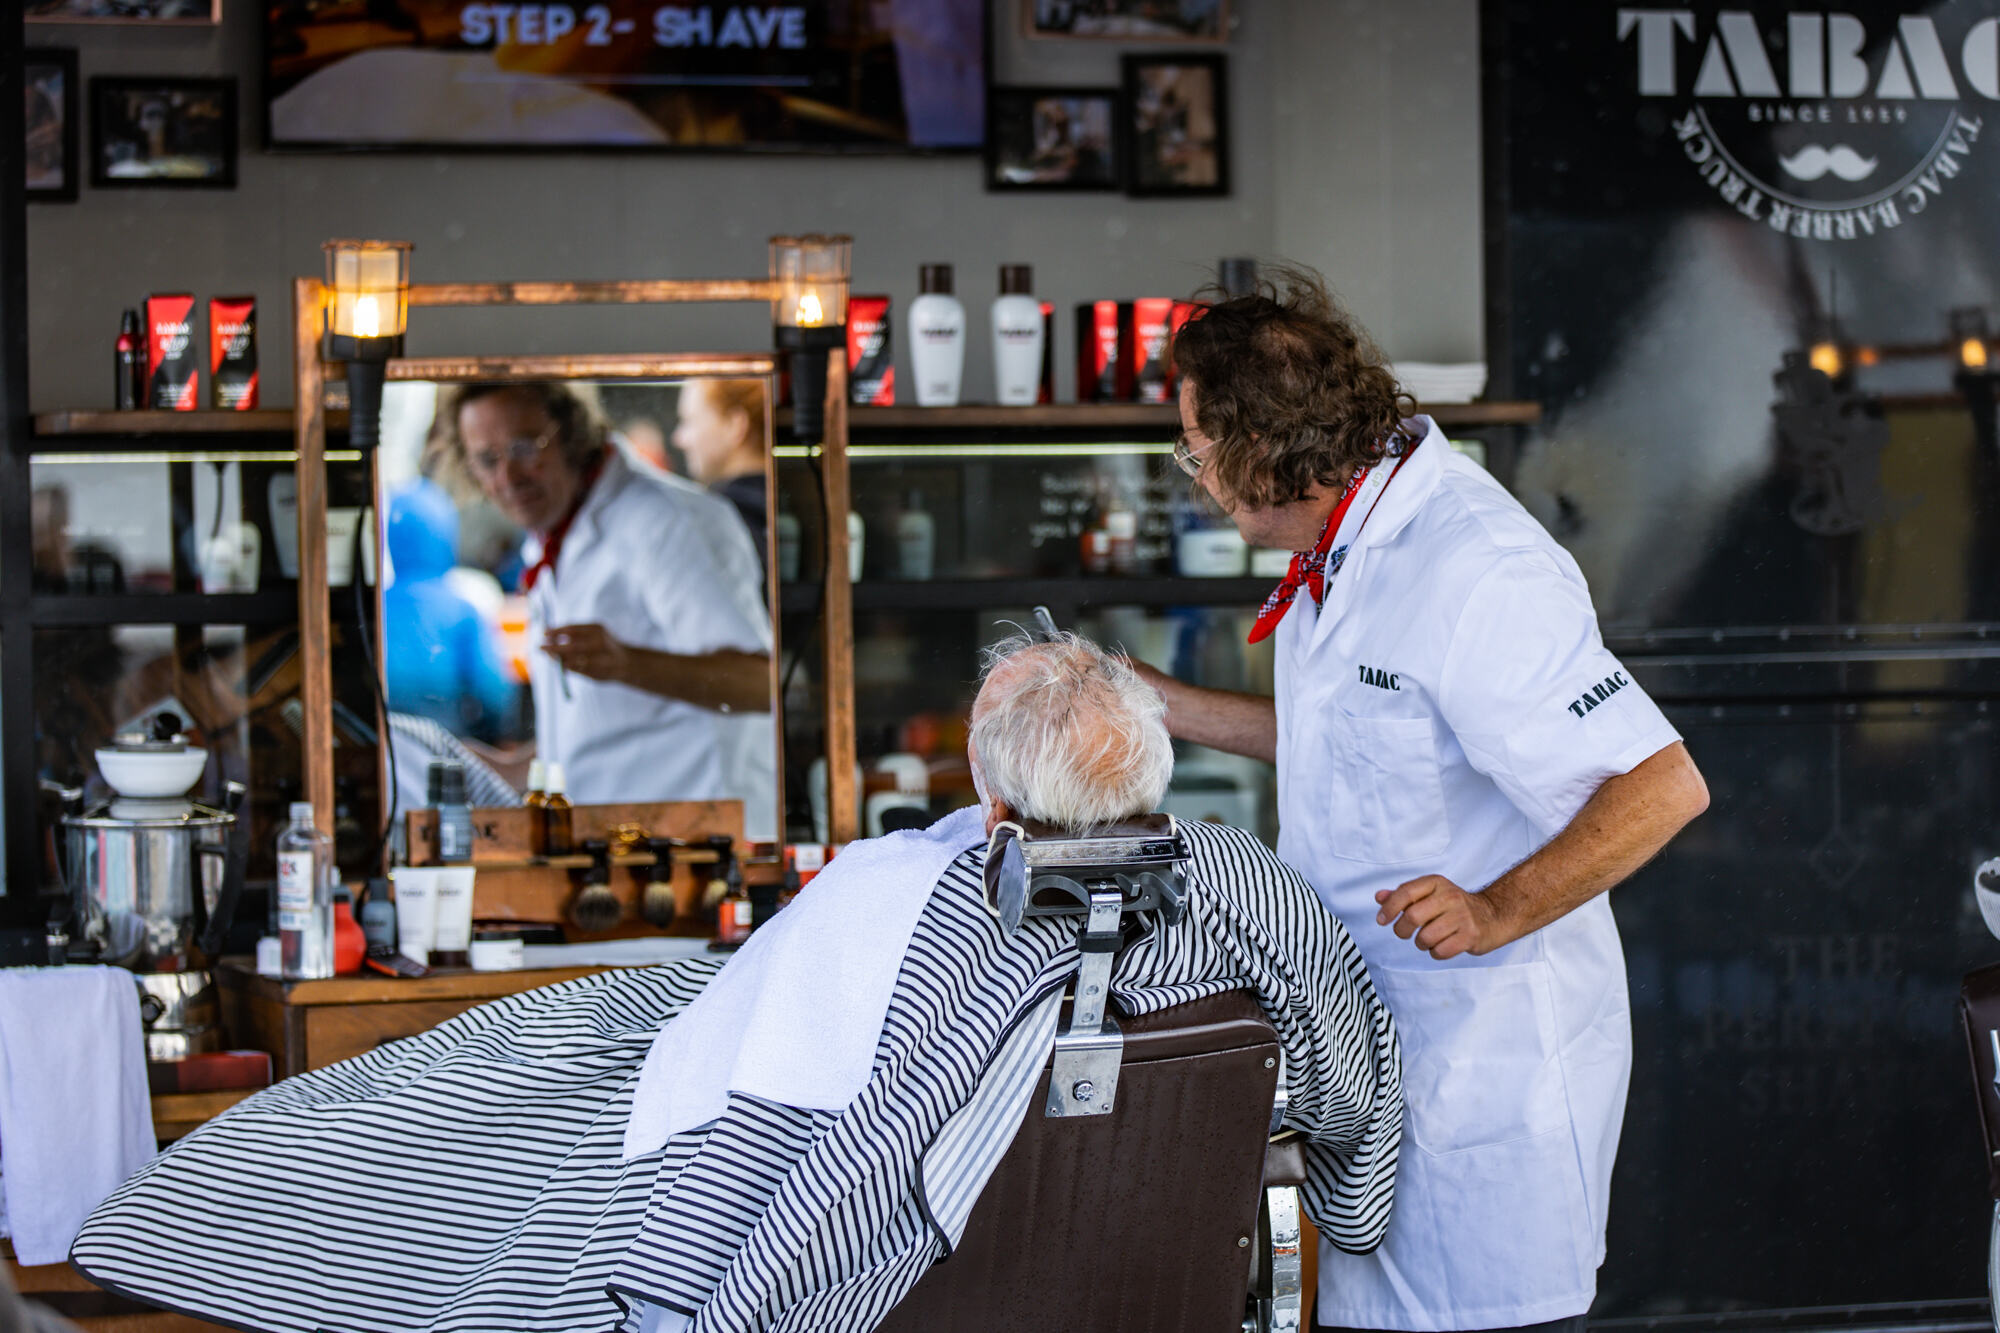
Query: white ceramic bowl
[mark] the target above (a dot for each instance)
(156, 773)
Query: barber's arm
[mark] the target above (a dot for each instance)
(1245, 724)
(1540, 706)
(728, 681)
(1619, 829)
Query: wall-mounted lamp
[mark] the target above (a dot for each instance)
(809, 314)
(368, 284)
(1968, 336)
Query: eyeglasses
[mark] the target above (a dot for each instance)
(522, 451)
(1187, 457)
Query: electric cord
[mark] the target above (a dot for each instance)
(386, 729)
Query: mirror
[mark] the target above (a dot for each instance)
(579, 571)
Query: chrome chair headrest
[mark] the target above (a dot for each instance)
(1036, 871)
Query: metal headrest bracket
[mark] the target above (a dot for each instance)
(1136, 866)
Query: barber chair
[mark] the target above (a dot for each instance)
(1144, 1191)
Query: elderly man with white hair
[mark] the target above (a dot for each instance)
(781, 1142)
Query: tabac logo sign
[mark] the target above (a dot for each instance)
(1821, 125)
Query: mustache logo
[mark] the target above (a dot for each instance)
(1813, 161)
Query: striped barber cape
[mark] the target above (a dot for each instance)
(470, 1179)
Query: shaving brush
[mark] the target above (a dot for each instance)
(595, 906)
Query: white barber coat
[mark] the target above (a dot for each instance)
(1448, 710)
(661, 564)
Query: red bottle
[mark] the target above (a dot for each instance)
(350, 946)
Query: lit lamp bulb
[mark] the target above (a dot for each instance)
(367, 305)
(1825, 359)
(1972, 354)
(809, 276)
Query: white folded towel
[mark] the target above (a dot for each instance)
(75, 1117)
(796, 1015)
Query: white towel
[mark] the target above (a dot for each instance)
(796, 1015)
(75, 1117)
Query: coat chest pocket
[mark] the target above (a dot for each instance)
(1386, 790)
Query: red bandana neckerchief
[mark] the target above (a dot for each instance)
(552, 540)
(1315, 568)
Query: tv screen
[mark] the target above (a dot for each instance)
(819, 74)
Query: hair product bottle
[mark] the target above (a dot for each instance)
(937, 338)
(1017, 339)
(556, 815)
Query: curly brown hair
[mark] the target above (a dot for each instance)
(569, 408)
(1290, 389)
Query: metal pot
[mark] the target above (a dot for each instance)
(154, 884)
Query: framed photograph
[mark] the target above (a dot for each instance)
(125, 11)
(1052, 139)
(51, 156)
(1177, 125)
(162, 132)
(1128, 20)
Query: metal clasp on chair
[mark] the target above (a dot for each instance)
(1084, 1080)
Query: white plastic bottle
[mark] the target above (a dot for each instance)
(937, 338)
(305, 897)
(1017, 339)
(916, 539)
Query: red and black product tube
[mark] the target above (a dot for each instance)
(172, 365)
(129, 364)
(1103, 375)
(232, 353)
(871, 365)
(1150, 349)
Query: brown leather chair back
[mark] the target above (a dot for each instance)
(1141, 1221)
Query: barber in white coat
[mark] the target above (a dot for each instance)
(1463, 770)
(652, 681)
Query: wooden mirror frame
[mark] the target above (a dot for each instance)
(309, 303)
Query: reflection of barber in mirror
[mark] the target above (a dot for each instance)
(646, 593)
(721, 431)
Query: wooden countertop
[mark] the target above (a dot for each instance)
(441, 984)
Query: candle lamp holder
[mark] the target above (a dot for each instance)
(367, 310)
(809, 318)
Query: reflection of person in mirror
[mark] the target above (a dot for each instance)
(447, 664)
(720, 428)
(652, 681)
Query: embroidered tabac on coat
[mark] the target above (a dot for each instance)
(1598, 693)
(1380, 679)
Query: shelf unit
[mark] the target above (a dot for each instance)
(866, 423)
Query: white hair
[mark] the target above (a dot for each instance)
(1068, 734)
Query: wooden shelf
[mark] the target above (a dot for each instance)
(260, 421)
(1052, 416)
(963, 594)
(1117, 416)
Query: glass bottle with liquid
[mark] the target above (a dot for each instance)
(558, 839)
(305, 897)
(536, 801)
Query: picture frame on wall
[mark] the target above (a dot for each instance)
(1177, 125)
(1053, 139)
(163, 133)
(154, 12)
(1128, 20)
(51, 154)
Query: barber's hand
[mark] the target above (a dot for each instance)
(588, 650)
(1445, 920)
